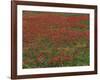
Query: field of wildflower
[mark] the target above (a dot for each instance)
(55, 39)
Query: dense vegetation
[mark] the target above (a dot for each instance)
(55, 39)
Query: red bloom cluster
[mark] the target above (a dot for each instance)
(54, 26)
(61, 58)
(40, 58)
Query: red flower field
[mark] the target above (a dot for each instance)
(55, 39)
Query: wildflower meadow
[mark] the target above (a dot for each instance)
(53, 39)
